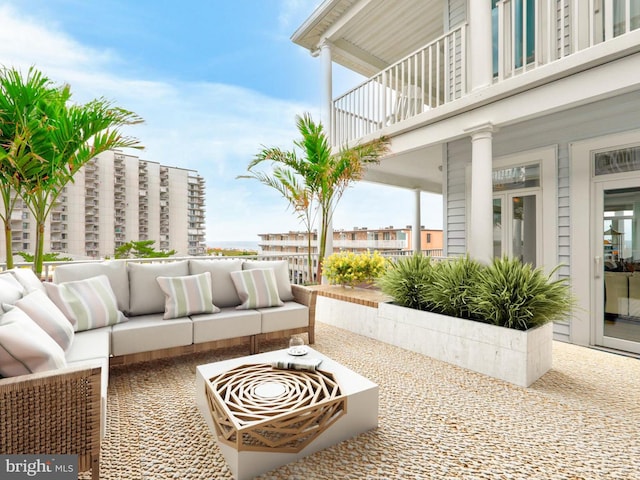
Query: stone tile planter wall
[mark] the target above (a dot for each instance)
(518, 357)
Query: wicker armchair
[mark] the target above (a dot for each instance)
(55, 412)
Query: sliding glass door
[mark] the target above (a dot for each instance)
(618, 264)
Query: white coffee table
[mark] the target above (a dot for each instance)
(347, 405)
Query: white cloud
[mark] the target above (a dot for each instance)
(48, 46)
(215, 129)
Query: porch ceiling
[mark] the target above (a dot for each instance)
(368, 36)
(419, 168)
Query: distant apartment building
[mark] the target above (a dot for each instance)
(359, 239)
(117, 198)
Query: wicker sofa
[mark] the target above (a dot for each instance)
(64, 410)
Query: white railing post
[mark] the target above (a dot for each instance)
(608, 19)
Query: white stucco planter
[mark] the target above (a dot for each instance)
(515, 356)
(518, 357)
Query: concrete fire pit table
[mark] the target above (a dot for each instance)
(264, 417)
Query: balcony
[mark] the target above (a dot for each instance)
(436, 74)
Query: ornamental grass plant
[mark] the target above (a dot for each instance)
(406, 280)
(506, 293)
(516, 295)
(452, 287)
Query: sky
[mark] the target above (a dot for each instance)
(215, 82)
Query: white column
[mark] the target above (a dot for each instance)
(327, 97)
(416, 230)
(327, 109)
(480, 235)
(480, 48)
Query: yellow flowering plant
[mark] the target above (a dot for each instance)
(349, 268)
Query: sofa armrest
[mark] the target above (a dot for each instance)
(307, 296)
(55, 412)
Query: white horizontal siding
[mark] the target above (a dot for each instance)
(455, 213)
(457, 12)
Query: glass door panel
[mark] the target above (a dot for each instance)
(515, 226)
(620, 226)
(497, 227)
(524, 234)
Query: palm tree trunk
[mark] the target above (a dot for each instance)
(323, 245)
(39, 253)
(8, 243)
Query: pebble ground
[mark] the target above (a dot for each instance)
(580, 421)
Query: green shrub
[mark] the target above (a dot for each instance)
(406, 279)
(452, 285)
(507, 293)
(348, 268)
(516, 295)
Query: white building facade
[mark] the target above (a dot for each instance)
(117, 198)
(523, 114)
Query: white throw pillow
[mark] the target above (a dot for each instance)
(28, 279)
(25, 347)
(256, 288)
(47, 315)
(188, 295)
(88, 303)
(10, 289)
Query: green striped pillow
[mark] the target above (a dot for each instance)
(188, 295)
(88, 303)
(256, 288)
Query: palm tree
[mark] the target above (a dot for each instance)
(19, 100)
(324, 174)
(286, 178)
(57, 139)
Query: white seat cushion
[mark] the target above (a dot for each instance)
(228, 323)
(290, 315)
(150, 332)
(90, 344)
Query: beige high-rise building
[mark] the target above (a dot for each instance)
(117, 198)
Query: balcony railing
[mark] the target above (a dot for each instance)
(430, 77)
(526, 35)
(340, 243)
(298, 263)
